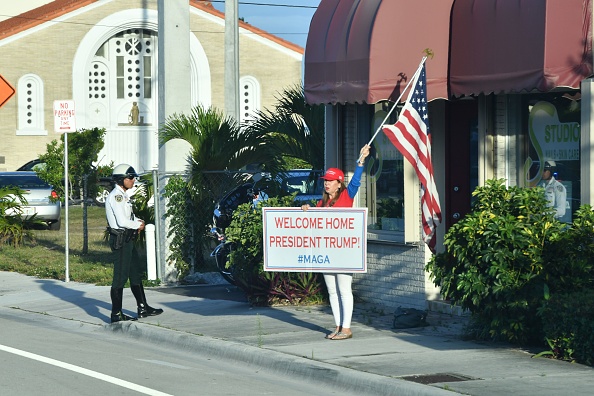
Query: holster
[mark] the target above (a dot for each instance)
(117, 237)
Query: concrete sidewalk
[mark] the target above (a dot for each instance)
(216, 321)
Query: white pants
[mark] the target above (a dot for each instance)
(341, 298)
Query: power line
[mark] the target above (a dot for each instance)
(267, 4)
(111, 26)
(193, 31)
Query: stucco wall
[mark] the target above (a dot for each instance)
(48, 50)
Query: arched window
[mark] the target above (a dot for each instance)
(30, 106)
(121, 77)
(133, 52)
(249, 103)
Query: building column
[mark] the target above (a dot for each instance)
(587, 143)
(174, 84)
(232, 60)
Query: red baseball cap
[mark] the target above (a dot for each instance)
(333, 174)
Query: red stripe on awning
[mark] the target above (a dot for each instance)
(519, 46)
(365, 51)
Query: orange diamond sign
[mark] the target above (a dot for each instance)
(6, 91)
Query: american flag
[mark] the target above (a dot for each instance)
(411, 137)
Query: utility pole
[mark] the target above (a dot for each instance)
(174, 98)
(231, 59)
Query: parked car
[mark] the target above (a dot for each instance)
(42, 200)
(260, 185)
(305, 182)
(32, 165)
(104, 184)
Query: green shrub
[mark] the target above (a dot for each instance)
(247, 260)
(83, 150)
(140, 201)
(568, 324)
(13, 229)
(294, 288)
(493, 263)
(569, 256)
(187, 230)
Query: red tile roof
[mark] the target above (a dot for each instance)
(37, 16)
(58, 8)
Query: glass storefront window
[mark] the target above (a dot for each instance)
(552, 122)
(386, 175)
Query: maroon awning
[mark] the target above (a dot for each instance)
(522, 45)
(367, 50)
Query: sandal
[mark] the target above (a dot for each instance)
(332, 335)
(342, 336)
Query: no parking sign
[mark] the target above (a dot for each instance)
(64, 116)
(64, 122)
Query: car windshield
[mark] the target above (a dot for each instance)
(303, 183)
(25, 182)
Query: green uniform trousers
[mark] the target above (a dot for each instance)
(126, 265)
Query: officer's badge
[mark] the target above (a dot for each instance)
(119, 198)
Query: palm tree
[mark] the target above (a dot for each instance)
(294, 129)
(218, 144)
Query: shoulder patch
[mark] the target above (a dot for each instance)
(560, 188)
(119, 198)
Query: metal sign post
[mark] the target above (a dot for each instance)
(64, 122)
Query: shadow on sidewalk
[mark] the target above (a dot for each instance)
(76, 297)
(227, 301)
(210, 292)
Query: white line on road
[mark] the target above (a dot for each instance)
(81, 370)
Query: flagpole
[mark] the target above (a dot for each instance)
(396, 103)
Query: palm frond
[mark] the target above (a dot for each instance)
(294, 128)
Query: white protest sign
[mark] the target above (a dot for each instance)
(317, 240)
(64, 116)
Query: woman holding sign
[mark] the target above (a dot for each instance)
(338, 195)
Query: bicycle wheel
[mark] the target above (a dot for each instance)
(221, 254)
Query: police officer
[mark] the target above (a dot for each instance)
(555, 192)
(123, 229)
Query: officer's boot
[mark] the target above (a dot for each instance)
(144, 309)
(117, 295)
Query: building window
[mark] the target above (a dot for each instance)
(30, 106)
(386, 178)
(134, 63)
(249, 104)
(148, 76)
(552, 122)
(121, 85)
(98, 81)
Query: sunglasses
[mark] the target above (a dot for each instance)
(130, 177)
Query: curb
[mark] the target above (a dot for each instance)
(337, 377)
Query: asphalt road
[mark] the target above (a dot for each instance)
(49, 356)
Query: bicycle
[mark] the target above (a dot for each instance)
(222, 215)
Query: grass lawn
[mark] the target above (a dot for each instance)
(45, 256)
